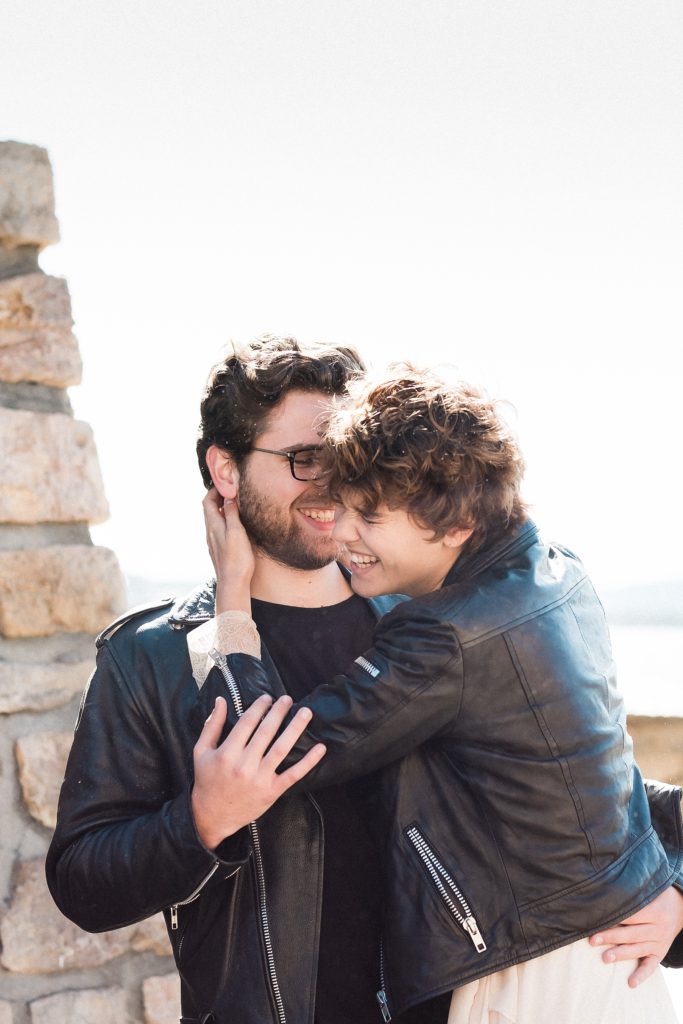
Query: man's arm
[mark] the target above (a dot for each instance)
(652, 936)
(655, 933)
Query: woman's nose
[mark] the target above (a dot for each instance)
(344, 530)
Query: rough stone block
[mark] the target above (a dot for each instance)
(41, 758)
(27, 203)
(658, 747)
(36, 340)
(70, 588)
(38, 687)
(49, 471)
(6, 1015)
(86, 1006)
(31, 302)
(161, 998)
(51, 358)
(150, 936)
(37, 939)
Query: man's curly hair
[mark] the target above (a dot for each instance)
(442, 452)
(243, 390)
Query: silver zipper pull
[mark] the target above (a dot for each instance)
(472, 928)
(218, 658)
(174, 917)
(384, 1006)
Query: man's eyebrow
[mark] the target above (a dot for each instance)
(307, 447)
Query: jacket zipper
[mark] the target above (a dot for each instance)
(382, 994)
(193, 896)
(236, 697)
(448, 890)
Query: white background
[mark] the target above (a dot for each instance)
(494, 185)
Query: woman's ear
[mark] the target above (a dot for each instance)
(457, 538)
(224, 472)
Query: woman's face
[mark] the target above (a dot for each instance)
(389, 553)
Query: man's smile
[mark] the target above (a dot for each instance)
(320, 518)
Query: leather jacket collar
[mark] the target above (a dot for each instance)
(195, 607)
(198, 606)
(510, 543)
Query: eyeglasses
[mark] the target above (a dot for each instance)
(304, 463)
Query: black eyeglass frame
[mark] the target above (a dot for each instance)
(291, 456)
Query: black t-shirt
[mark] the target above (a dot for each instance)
(309, 646)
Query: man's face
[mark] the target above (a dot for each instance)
(290, 520)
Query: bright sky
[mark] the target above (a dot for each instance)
(495, 185)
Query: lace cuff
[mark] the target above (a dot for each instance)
(229, 633)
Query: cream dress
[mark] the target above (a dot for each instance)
(571, 985)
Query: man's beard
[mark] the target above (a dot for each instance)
(278, 535)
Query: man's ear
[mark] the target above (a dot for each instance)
(224, 472)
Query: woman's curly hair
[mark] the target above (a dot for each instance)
(440, 451)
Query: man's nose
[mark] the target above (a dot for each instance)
(344, 529)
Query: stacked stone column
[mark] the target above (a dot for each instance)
(57, 589)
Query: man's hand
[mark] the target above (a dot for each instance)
(230, 551)
(646, 936)
(236, 781)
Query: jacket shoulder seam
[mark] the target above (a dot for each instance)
(504, 627)
(133, 613)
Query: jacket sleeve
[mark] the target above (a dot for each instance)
(125, 846)
(399, 693)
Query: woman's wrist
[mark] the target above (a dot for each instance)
(233, 595)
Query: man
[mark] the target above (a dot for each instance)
(260, 931)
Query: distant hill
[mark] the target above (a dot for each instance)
(649, 604)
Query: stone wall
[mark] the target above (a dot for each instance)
(57, 590)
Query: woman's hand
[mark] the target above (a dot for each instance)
(230, 551)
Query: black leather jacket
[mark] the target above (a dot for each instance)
(244, 920)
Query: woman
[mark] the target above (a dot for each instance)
(520, 825)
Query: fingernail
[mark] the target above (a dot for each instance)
(305, 713)
(596, 940)
(609, 958)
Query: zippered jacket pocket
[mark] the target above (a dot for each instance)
(448, 890)
(221, 662)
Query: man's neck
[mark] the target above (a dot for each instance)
(315, 588)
